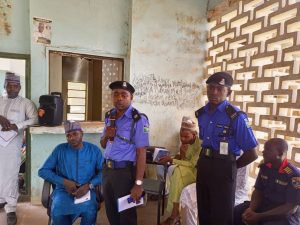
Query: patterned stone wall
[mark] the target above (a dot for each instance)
(258, 42)
(112, 70)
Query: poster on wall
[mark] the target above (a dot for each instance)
(42, 30)
(5, 17)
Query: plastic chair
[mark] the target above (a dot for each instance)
(46, 197)
(155, 187)
(149, 160)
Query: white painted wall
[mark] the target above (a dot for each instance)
(91, 26)
(18, 40)
(166, 63)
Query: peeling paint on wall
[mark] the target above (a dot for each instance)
(191, 33)
(5, 17)
(166, 63)
(162, 92)
(219, 7)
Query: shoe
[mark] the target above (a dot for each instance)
(11, 218)
(171, 221)
(2, 205)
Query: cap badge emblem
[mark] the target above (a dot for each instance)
(124, 84)
(222, 82)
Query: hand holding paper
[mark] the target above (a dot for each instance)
(126, 202)
(4, 123)
(84, 198)
(165, 160)
(159, 153)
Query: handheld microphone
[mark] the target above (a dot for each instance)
(112, 123)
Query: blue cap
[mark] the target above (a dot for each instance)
(122, 85)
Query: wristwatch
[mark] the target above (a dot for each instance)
(138, 182)
(91, 186)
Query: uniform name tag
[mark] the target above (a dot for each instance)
(223, 148)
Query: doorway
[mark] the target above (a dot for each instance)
(19, 64)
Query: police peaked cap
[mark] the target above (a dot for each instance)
(220, 78)
(122, 85)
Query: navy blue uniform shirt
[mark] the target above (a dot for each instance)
(217, 126)
(280, 187)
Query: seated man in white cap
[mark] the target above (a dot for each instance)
(75, 168)
(185, 170)
(16, 113)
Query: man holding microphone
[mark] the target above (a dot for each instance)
(125, 136)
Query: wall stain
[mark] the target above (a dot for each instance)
(139, 9)
(5, 17)
(145, 50)
(191, 33)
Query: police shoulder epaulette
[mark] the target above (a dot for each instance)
(137, 115)
(107, 114)
(199, 112)
(232, 112)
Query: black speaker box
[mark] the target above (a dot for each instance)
(51, 109)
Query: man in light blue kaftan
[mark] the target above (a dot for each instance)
(75, 168)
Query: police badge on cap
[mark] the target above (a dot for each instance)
(220, 78)
(122, 85)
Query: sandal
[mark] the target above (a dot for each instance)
(171, 221)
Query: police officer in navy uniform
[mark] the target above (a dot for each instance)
(125, 136)
(225, 131)
(276, 197)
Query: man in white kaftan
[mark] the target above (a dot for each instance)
(16, 113)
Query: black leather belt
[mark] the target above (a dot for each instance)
(211, 153)
(117, 164)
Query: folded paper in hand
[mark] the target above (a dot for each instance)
(123, 203)
(160, 152)
(6, 137)
(84, 198)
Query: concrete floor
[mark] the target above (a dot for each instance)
(29, 214)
